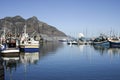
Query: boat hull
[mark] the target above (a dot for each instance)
(103, 43)
(72, 43)
(6, 49)
(114, 44)
(29, 48)
(10, 51)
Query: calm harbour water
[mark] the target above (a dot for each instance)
(57, 61)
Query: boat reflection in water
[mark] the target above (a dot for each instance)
(1, 70)
(114, 51)
(18, 67)
(109, 50)
(29, 58)
(26, 59)
(45, 50)
(13, 62)
(49, 48)
(10, 63)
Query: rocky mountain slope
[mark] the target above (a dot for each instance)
(34, 26)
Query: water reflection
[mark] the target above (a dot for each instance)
(103, 50)
(29, 58)
(1, 70)
(66, 63)
(81, 47)
(114, 51)
(13, 62)
(49, 48)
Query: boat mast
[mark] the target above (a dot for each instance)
(15, 32)
(25, 29)
(4, 33)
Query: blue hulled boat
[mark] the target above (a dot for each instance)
(101, 41)
(28, 44)
(29, 47)
(114, 43)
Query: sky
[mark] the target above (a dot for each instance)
(90, 17)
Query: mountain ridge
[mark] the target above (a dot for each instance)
(17, 23)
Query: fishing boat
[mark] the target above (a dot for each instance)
(28, 44)
(8, 45)
(114, 43)
(10, 50)
(102, 40)
(101, 43)
(72, 42)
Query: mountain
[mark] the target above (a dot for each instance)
(34, 26)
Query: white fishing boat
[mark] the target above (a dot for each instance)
(114, 43)
(8, 45)
(72, 42)
(28, 44)
(102, 40)
(101, 43)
